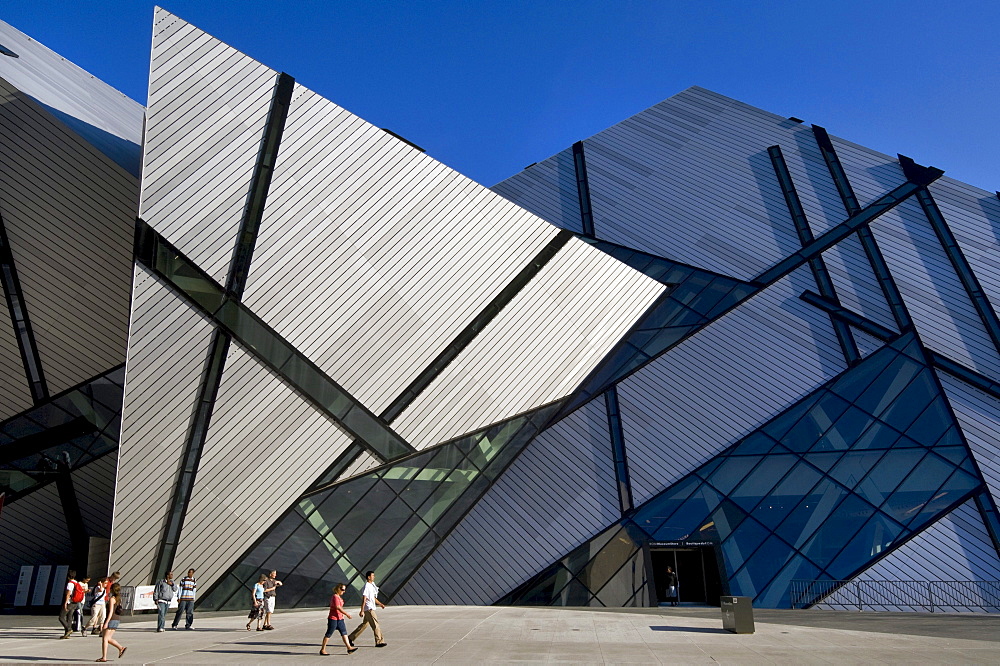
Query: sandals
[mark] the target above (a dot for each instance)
(100, 660)
(121, 652)
(248, 627)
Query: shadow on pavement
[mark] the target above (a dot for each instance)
(692, 630)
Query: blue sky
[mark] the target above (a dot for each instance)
(489, 87)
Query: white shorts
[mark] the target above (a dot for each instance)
(268, 604)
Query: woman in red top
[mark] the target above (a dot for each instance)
(336, 619)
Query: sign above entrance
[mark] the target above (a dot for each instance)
(679, 544)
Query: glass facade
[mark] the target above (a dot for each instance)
(75, 428)
(388, 520)
(818, 493)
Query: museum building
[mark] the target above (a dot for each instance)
(247, 330)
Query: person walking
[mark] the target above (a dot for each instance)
(672, 586)
(335, 621)
(98, 606)
(185, 600)
(78, 614)
(163, 594)
(111, 623)
(270, 592)
(367, 614)
(257, 603)
(73, 596)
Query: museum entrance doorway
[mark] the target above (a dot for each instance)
(697, 573)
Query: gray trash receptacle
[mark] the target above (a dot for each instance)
(737, 614)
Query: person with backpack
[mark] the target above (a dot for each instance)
(97, 607)
(72, 598)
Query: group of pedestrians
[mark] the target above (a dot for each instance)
(262, 599)
(107, 602)
(367, 615)
(105, 609)
(164, 593)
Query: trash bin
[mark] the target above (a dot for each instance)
(737, 614)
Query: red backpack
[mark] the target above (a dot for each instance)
(78, 592)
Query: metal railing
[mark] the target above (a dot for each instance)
(904, 595)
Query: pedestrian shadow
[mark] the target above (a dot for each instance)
(23, 657)
(692, 630)
(252, 651)
(285, 644)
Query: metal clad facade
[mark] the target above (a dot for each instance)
(372, 257)
(15, 396)
(547, 189)
(208, 104)
(69, 213)
(265, 446)
(714, 388)
(168, 346)
(557, 494)
(979, 416)
(540, 347)
(103, 116)
(937, 301)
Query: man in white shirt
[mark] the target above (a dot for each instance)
(367, 615)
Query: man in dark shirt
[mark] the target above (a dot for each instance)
(271, 586)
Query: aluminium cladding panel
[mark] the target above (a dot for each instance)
(870, 172)
(538, 349)
(979, 416)
(973, 215)
(208, 104)
(690, 179)
(105, 117)
(69, 213)
(724, 382)
(372, 257)
(557, 494)
(15, 396)
(168, 346)
(956, 547)
(265, 445)
(938, 303)
(547, 189)
(857, 287)
(34, 532)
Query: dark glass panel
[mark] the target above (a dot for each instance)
(878, 436)
(956, 455)
(253, 334)
(574, 593)
(659, 509)
(812, 511)
(758, 486)
(623, 586)
(761, 567)
(777, 592)
(369, 429)
(397, 547)
(960, 484)
(758, 442)
(721, 523)
(905, 410)
(890, 471)
(932, 423)
(690, 516)
(792, 491)
(731, 472)
(846, 432)
(780, 426)
(854, 466)
(889, 386)
(852, 383)
(825, 460)
(381, 528)
(917, 489)
(711, 296)
(815, 423)
(608, 561)
(837, 526)
(742, 543)
(875, 538)
(483, 448)
(545, 589)
(314, 384)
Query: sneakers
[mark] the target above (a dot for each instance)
(66, 635)
(381, 644)
(159, 630)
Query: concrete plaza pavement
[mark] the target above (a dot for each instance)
(475, 634)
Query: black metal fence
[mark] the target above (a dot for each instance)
(902, 595)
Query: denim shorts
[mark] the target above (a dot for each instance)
(335, 625)
(113, 624)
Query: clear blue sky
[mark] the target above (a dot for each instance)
(489, 87)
